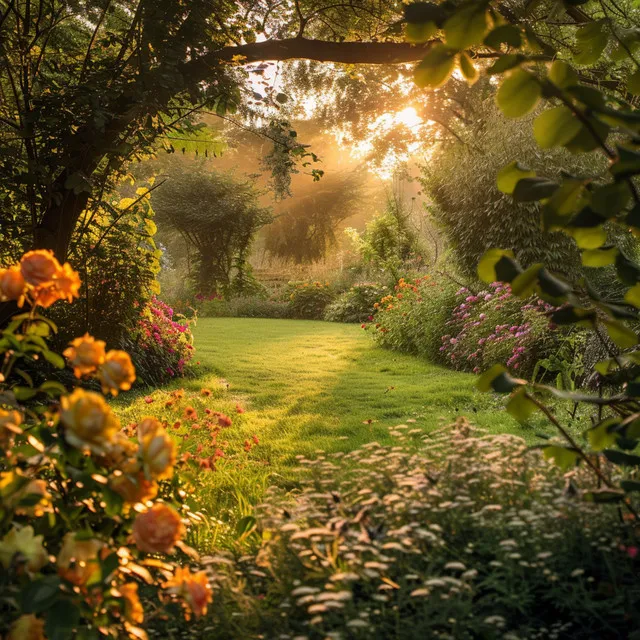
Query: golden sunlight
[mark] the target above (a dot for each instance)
(408, 117)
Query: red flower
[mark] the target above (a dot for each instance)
(224, 421)
(239, 409)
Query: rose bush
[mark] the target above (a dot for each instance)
(162, 345)
(79, 533)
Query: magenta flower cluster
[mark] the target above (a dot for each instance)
(160, 329)
(473, 331)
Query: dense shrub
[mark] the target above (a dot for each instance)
(83, 539)
(162, 344)
(257, 307)
(495, 326)
(308, 300)
(412, 318)
(355, 304)
(469, 537)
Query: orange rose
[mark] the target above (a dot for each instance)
(67, 282)
(117, 372)
(39, 267)
(85, 355)
(193, 587)
(89, 421)
(158, 529)
(134, 488)
(12, 285)
(158, 453)
(78, 560)
(133, 611)
(27, 627)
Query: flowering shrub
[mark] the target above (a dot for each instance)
(495, 326)
(308, 300)
(412, 317)
(163, 345)
(468, 331)
(82, 526)
(356, 304)
(454, 534)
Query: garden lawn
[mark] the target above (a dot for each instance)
(304, 387)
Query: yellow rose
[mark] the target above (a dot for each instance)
(67, 282)
(133, 611)
(78, 560)
(12, 285)
(10, 422)
(134, 488)
(157, 450)
(27, 627)
(39, 267)
(158, 529)
(85, 355)
(89, 421)
(193, 587)
(117, 373)
(28, 547)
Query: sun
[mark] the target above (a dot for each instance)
(408, 117)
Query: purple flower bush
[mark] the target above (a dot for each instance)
(493, 326)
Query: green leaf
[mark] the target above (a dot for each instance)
(467, 26)
(52, 387)
(632, 296)
(488, 262)
(485, 380)
(608, 200)
(39, 595)
(564, 457)
(589, 237)
(551, 285)
(534, 189)
(420, 32)
(555, 127)
(505, 63)
(571, 197)
(419, 12)
(621, 335)
(633, 83)
(520, 406)
(518, 94)
(628, 271)
(524, 285)
(436, 67)
(628, 163)
(603, 435)
(621, 458)
(467, 69)
(504, 34)
(563, 75)
(603, 496)
(53, 358)
(630, 486)
(282, 98)
(588, 140)
(573, 315)
(510, 175)
(62, 620)
(591, 41)
(599, 257)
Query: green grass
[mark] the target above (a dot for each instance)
(306, 386)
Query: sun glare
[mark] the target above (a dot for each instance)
(408, 117)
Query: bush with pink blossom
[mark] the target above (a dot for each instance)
(162, 345)
(467, 330)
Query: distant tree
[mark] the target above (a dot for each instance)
(219, 216)
(304, 231)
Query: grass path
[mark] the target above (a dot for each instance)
(305, 386)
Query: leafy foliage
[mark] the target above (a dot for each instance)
(308, 300)
(219, 215)
(355, 304)
(581, 119)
